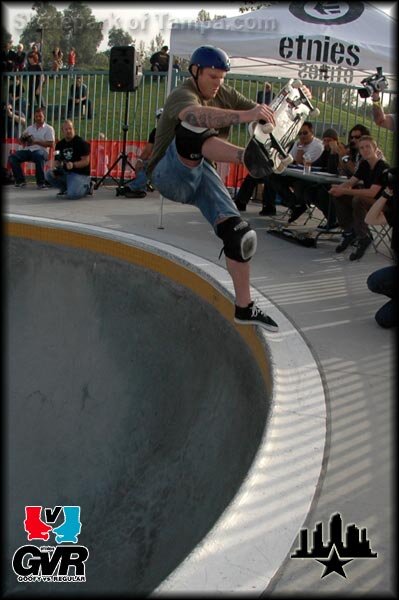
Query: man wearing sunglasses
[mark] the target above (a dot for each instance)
(285, 186)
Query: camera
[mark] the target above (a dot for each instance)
(374, 83)
(62, 167)
(26, 138)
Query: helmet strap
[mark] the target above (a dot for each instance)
(195, 77)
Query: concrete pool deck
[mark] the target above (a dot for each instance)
(322, 297)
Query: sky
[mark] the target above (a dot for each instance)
(142, 22)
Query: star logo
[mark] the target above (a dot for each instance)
(334, 564)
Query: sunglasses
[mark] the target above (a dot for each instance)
(303, 132)
(355, 137)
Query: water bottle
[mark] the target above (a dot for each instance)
(307, 163)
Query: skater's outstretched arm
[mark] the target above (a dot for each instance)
(217, 118)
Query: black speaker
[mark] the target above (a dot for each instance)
(124, 75)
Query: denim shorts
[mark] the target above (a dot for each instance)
(199, 186)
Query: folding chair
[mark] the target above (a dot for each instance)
(382, 236)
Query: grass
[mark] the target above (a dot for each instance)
(109, 107)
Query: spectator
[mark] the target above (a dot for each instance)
(308, 193)
(384, 281)
(140, 183)
(176, 64)
(36, 140)
(78, 99)
(15, 120)
(72, 165)
(16, 92)
(20, 58)
(380, 118)
(160, 60)
(352, 203)
(7, 57)
(266, 95)
(36, 55)
(58, 57)
(35, 81)
(350, 161)
(71, 59)
(285, 186)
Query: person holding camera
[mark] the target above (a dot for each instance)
(384, 281)
(72, 165)
(380, 118)
(36, 141)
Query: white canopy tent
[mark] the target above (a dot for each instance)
(295, 39)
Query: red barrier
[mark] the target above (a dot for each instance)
(103, 154)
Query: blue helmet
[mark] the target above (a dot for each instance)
(211, 57)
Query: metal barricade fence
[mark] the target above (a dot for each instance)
(100, 121)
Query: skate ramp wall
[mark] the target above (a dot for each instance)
(130, 393)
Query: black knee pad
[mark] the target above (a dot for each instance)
(238, 237)
(189, 139)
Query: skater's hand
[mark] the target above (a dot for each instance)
(307, 92)
(261, 112)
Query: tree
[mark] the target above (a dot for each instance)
(82, 31)
(255, 6)
(203, 16)
(119, 37)
(159, 41)
(46, 24)
(6, 37)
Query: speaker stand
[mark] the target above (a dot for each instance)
(122, 157)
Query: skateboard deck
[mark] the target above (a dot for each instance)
(267, 151)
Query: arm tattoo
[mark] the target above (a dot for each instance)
(212, 118)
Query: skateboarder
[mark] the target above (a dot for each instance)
(192, 132)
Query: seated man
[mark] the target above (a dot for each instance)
(72, 165)
(78, 99)
(284, 186)
(36, 140)
(308, 192)
(352, 205)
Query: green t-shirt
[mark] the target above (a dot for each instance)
(187, 95)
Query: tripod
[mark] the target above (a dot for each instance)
(122, 156)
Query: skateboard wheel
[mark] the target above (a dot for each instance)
(280, 168)
(314, 113)
(297, 83)
(267, 128)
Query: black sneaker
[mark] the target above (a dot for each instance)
(361, 246)
(346, 241)
(267, 211)
(62, 193)
(43, 186)
(20, 184)
(296, 212)
(252, 315)
(242, 207)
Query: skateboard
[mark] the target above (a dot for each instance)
(267, 151)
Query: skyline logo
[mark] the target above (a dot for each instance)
(332, 553)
